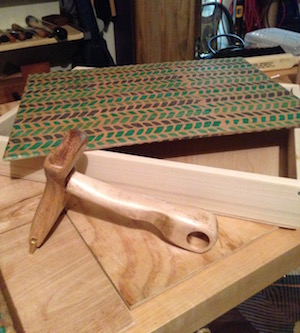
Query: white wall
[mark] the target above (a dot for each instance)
(109, 36)
(226, 3)
(17, 14)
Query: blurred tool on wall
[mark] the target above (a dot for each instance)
(224, 24)
(93, 51)
(239, 18)
(53, 30)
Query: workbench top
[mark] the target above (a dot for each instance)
(95, 275)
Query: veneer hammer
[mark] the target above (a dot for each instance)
(187, 227)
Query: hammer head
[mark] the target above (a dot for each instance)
(61, 160)
(58, 167)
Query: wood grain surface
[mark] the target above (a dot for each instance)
(18, 202)
(165, 30)
(61, 288)
(211, 292)
(253, 257)
(139, 261)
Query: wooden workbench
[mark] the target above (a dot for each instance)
(96, 276)
(62, 287)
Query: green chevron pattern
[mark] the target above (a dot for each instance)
(136, 104)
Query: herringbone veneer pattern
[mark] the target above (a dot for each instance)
(126, 105)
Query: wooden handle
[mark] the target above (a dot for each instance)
(24, 33)
(20, 35)
(58, 32)
(17, 27)
(38, 32)
(187, 227)
(35, 23)
(9, 37)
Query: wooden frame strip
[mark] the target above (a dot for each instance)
(274, 200)
(297, 151)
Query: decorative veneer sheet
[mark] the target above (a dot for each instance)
(136, 104)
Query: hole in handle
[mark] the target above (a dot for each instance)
(198, 240)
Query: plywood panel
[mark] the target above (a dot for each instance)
(18, 202)
(263, 152)
(249, 160)
(213, 291)
(137, 259)
(61, 288)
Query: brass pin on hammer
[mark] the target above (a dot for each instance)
(187, 227)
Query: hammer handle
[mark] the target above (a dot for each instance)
(187, 227)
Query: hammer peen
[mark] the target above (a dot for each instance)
(187, 227)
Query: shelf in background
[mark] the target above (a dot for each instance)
(73, 34)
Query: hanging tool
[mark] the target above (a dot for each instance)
(58, 32)
(5, 36)
(239, 18)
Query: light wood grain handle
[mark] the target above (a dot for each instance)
(187, 227)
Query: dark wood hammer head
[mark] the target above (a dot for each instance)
(58, 167)
(61, 160)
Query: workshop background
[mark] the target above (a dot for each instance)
(184, 31)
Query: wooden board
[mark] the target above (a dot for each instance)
(166, 30)
(139, 262)
(209, 293)
(4, 108)
(244, 160)
(141, 104)
(263, 152)
(18, 202)
(65, 265)
(6, 323)
(297, 153)
(180, 308)
(59, 289)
